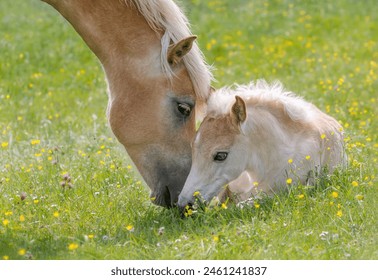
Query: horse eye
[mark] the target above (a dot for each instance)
(184, 109)
(220, 156)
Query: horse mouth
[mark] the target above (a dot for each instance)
(163, 198)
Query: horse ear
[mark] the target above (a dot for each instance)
(177, 51)
(238, 111)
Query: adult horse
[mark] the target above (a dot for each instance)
(156, 77)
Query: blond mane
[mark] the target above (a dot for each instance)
(261, 93)
(166, 16)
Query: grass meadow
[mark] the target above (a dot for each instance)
(68, 190)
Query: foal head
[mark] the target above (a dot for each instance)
(218, 153)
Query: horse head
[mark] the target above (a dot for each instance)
(156, 79)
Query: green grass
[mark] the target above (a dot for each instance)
(52, 123)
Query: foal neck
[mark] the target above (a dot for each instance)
(272, 134)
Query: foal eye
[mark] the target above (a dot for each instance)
(184, 109)
(220, 156)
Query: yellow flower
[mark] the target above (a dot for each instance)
(90, 236)
(323, 136)
(255, 184)
(290, 160)
(224, 206)
(339, 213)
(359, 197)
(335, 195)
(216, 238)
(300, 196)
(196, 193)
(36, 201)
(355, 184)
(73, 246)
(130, 228)
(22, 252)
(129, 167)
(5, 222)
(308, 157)
(257, 205)
(8, 213)
(5, 258)
(289, 181)
(22, 218)
(35, 141)
(4, 144)
(56, 214)
(188, 211)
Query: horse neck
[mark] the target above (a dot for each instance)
(268, 136)
(116, 33)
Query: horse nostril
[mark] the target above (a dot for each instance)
(167, 198)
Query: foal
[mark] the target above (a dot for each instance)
(259, 137)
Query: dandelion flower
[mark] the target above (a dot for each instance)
(196, 193)
(56, 214)
(290, 160)
(130, 228)
(22, 218)
(339, 213)
(73, 246)
(224, 205)
(257, 206)
(8, 213)
(301, 196)
(5, 222)
(35, 142)
(308, 157)
(5, 258)
(216, 238)
(355, 184)
(289, 181)
(4, 144)
(323, 136)
(255, 184)
(335, 194)
(359, 197)
(188, 211)
(21, 252)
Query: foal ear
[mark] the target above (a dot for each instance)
(238, 111)
(177, 51)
